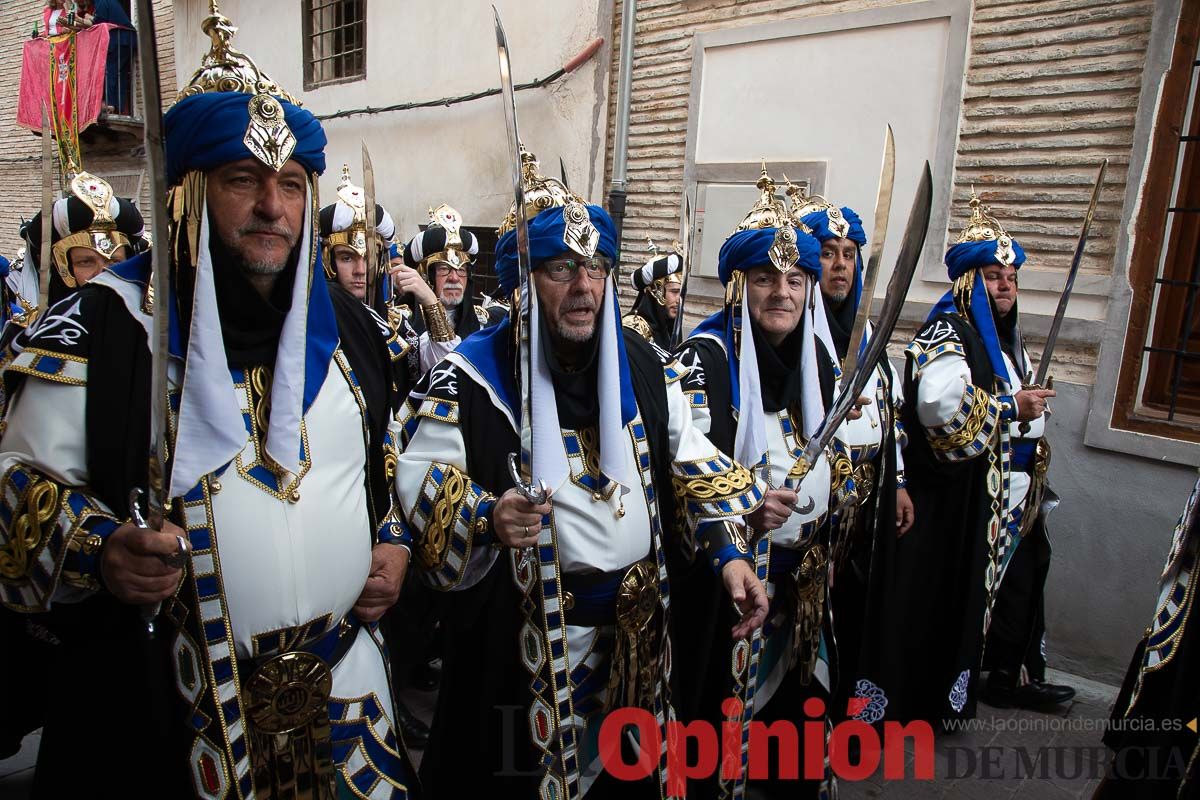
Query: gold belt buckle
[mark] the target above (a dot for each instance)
(810, 575)
(864, 479)
(288, 692)
(637, 597)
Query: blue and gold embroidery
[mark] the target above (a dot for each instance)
(50, 538)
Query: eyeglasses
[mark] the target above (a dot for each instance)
(442, 270)
(562, 270)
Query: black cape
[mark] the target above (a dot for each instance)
(932, 599)
(865, 559)
(702, 614)
(479, 745)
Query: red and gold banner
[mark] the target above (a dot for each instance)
(66, 73)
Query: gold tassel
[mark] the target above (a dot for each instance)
(807, 594)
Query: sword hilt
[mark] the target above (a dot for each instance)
(1024, 427)
(175, 560)
(534, 494)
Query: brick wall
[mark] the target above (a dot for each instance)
(1051, 88)
(105, 150)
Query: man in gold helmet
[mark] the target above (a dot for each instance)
(437, 287)
(658, 284)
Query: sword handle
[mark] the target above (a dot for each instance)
(535, 494)
(176, 560)
(1024, 426)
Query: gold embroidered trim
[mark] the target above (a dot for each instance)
(976, 419)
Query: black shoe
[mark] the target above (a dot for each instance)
(413, 731)
(1001, 691)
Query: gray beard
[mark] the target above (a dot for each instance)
(449, 304)
(575, 335)
(262, 267)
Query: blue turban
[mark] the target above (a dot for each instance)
(960, 259)
(968, 255)
(745, 250)
(204, 131)
(4, 265)
(819, 222)
(546, 241)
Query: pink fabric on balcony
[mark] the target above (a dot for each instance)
(37, 70)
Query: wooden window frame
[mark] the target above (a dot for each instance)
(1130, 412)
(308, 8)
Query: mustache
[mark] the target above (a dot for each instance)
(578, 303)
(276, 228)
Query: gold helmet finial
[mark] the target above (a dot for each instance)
(983, 227)
(768, 211)
(543, 192)
(226, 69)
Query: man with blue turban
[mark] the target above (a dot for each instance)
(760, 379)
(281, 548)
(975, 473)
(557, 613)
(867, 532)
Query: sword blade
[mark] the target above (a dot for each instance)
(47, 213)
(159, 260)
(529, 486)
(1060, 312)
(883, 211)
(889, 315)
(685, 245)
(372, 245)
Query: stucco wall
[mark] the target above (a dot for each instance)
(1110, 538)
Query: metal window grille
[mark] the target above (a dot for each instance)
(335, 36)
(1171, 387)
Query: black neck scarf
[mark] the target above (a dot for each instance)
(779, 373)
(250, 323)
(576, 389)
(1010, 336)
(841, 323)
(661, 324)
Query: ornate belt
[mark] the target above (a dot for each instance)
(629, 599)
(623, 597)
(287, 711)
